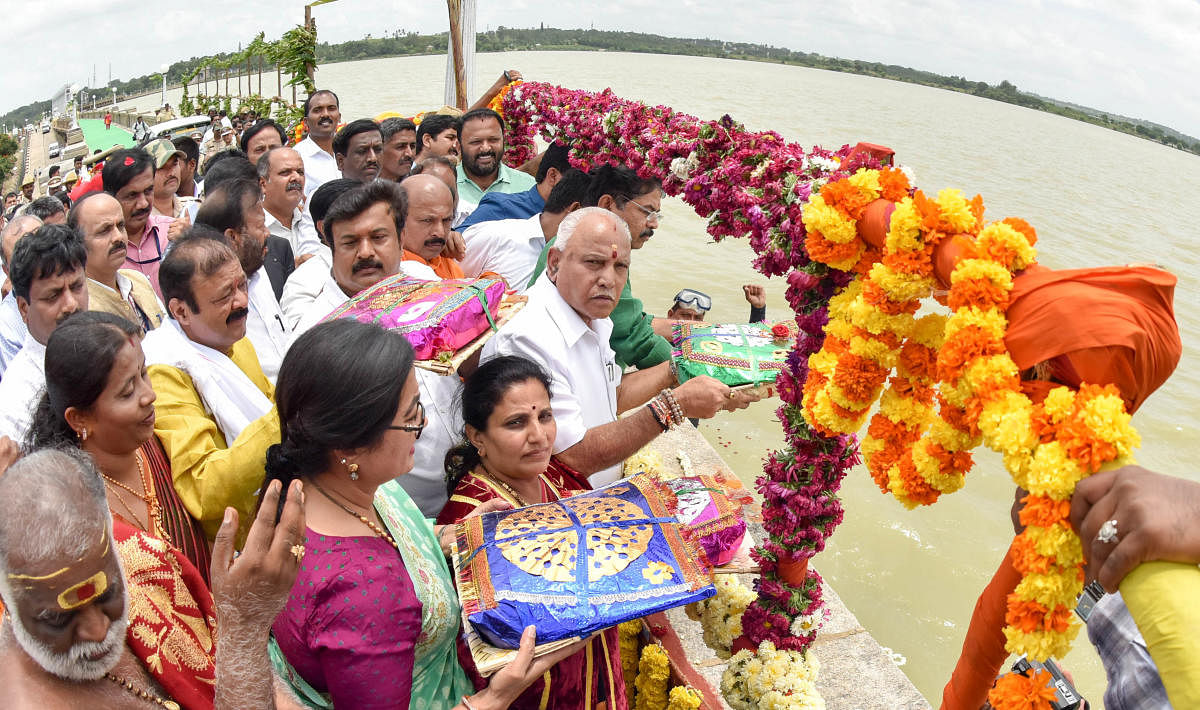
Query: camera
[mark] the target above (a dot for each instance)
(1065, 695)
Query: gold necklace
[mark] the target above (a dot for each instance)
(379, 532)
(483, 472)
(147, 496)
(129, 686)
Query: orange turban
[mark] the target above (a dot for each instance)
(1111, 325)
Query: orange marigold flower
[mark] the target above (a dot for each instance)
(860, 379)
(916, 487)
(959, 351)
(977, 292)
(919, 360)
(1025, 614)
(1023, 227)
(1044, 511)
(929, 211)
(877, 297)
(976, 204)
(1017, 692)
(827, 252)
(1025, 557)
(894, 184)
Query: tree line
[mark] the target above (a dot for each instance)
(505, 39)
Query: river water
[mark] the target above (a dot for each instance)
(1095, 196)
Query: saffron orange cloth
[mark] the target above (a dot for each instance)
(1110, 325)
(443, 266)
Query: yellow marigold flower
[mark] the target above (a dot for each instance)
(832, 224)
(956, 211)
(897, 488)
(904, 231)
(651, 683)
(1059, 543)
(866, 181)
(1059, 403)
(823, 410)
(823, 361)
(683, 698)
(951, 438)
(874, 350)
(841, 301)
(999, 234)
(1019, 464)
(840, 328)
(1049, 590)
(1053, 472)
(906, 411)
(841, 399)
(982, 270)
(994, 373)
(929, 330)
(1040, 645)
(990, 320)
(901, 287)
(876, 321)
(1006, 424)
(1106, 416)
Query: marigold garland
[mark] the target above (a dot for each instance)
(962, 362)
(683, 698)
(628, 635)
(653, 673)
(721, 615)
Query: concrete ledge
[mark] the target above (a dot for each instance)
(856, 672)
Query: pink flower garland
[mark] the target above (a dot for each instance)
(746, 184)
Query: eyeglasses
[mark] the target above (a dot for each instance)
(413, 428)
(655, 215)
(693, 299)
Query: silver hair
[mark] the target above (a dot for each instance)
(15, 226)
(567, 227)
(52, 504)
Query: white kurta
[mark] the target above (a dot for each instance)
(582, 366)
(22, 387)
(509, 247)
(302, 235)
(265, 326)
(319, 167)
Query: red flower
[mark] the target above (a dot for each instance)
(781, 331)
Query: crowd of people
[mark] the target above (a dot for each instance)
(171, 392)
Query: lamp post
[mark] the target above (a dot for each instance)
(163, 69)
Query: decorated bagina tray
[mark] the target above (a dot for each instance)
(749, 354)
(578, 565)
(437, 317)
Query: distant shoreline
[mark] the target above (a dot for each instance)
(505, 39)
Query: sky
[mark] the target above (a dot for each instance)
(1136, 59)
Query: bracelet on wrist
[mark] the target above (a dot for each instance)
(658, 417)
(466, 701)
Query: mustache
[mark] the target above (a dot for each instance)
(141, 213)
(237, 314)
(646, 234)
(118, 247)
(436, 241)
(366, 264)
(294, 185)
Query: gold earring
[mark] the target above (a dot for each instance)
(353, 470)
(83, 434)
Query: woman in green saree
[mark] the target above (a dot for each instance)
(373, 615)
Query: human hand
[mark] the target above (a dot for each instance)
(446, 534)
(702, 397)
(740, 399)
(455, 246)
(9, 453)
(250, 591)
(176, 228)
(521, 672)
(756, 295)
(1158, 518)
(509, 77)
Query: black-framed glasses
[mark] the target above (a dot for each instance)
(414, 428)
(692, 298)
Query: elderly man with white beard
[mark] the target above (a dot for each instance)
(281, 174)
(102, 615)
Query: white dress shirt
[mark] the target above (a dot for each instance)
(302, 234)
(426, 483)
(22, 387)
(12, 331)
(582, 367)
(302, 287)
(509, 247)
(319, 167)
(329, 297)
(265, 326)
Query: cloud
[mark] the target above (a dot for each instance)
(1127, 58)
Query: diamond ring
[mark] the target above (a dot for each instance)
(1108, 532)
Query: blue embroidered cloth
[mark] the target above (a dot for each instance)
(579, 565)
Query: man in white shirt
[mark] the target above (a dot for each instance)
(321, 118)
(12, 326)
(234, 209)
(511, 247)
(565, 328)
(50, 283)
(363, 226)
(305, 283)
(281, 175)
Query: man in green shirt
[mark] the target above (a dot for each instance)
(637, 200)
(481, 140)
